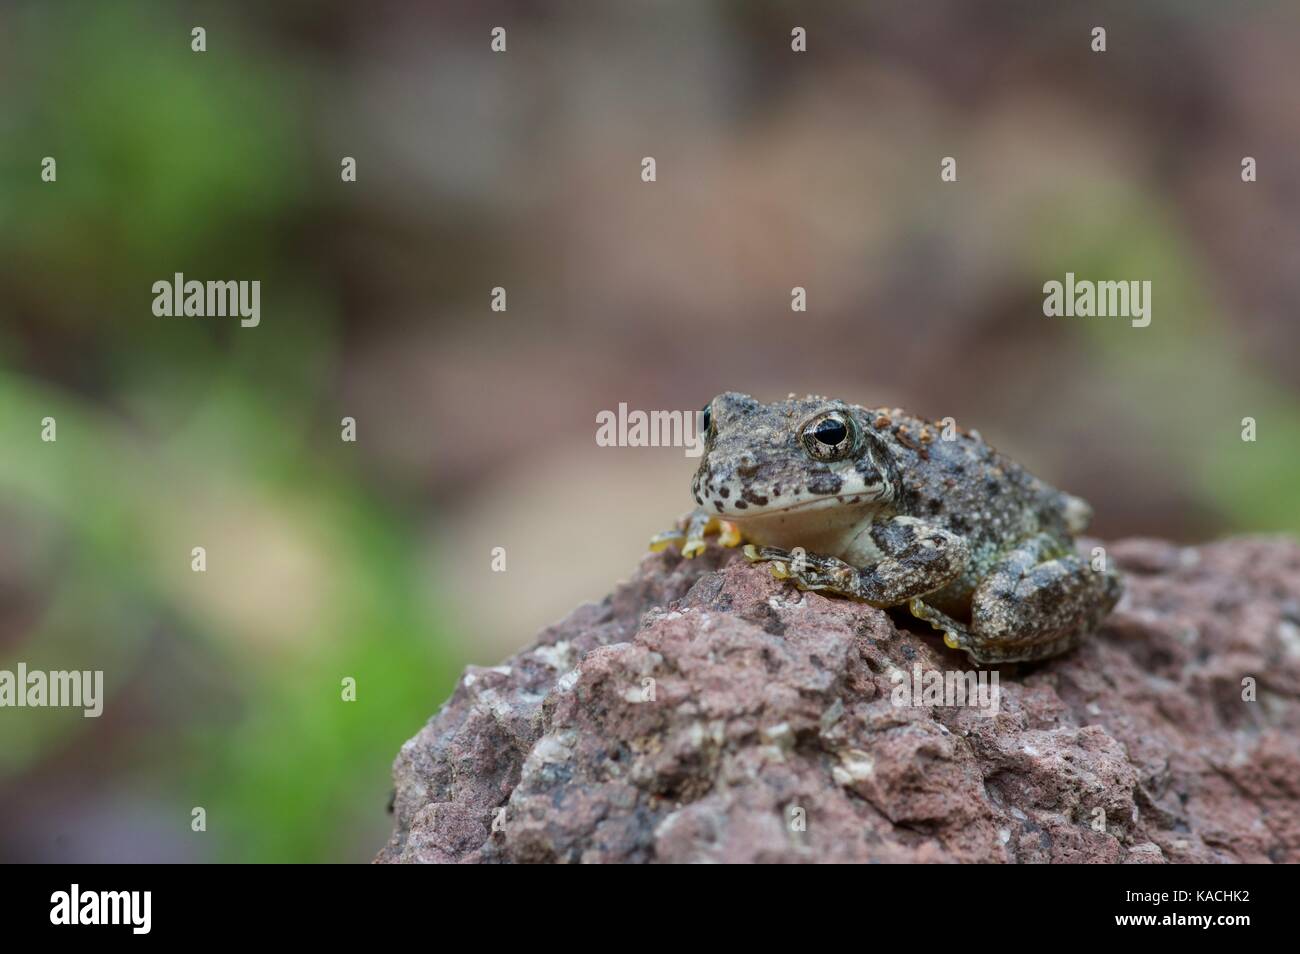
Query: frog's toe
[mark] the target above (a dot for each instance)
(669, 538)
(693, 548)
(955, 635)
(728, 534)
(766, 554)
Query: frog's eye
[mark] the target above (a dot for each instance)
(829, 436)
(707, 411)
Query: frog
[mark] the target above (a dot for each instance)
(878, 505)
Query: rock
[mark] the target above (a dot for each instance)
(708, 712)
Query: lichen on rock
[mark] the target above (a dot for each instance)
(705, 711)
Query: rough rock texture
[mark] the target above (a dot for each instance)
(773, 732)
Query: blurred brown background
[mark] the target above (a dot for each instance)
(476, 428)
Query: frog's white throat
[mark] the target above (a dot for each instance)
(824, 524)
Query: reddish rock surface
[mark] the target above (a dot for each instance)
(770, 730)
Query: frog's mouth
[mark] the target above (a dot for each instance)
(810, 504)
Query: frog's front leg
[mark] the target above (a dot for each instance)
(690, 533)
(919, 558)
(1035, 603)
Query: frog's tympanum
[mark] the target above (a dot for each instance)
(894, 510)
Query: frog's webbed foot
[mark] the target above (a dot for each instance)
(691, 531)
(955, 635)
(809, 571)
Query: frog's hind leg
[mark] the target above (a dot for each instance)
(958, 635)
(1037, 602)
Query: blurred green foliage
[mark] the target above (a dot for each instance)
(176, 434)
(1186, 360)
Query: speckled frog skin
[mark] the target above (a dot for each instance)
(885, 507)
